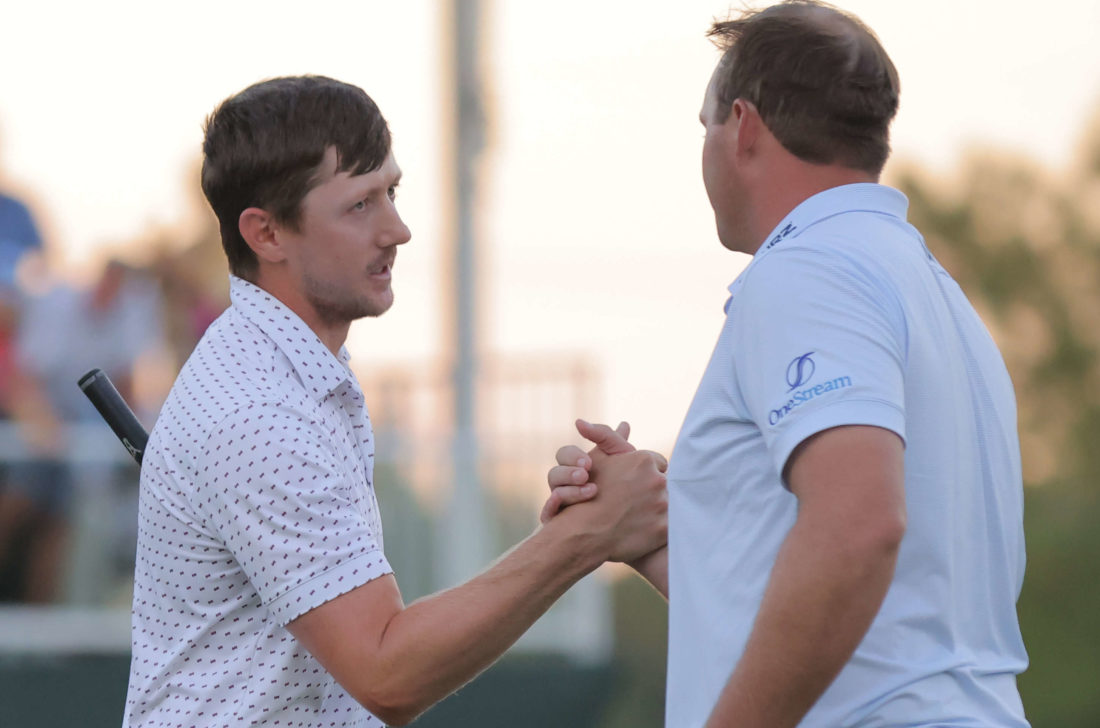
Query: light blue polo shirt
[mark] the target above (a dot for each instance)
(843, 317)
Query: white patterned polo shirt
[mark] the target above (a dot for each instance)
(257, 505)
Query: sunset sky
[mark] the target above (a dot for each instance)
(597, 237)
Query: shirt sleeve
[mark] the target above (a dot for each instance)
(288, 508)
(821, 344)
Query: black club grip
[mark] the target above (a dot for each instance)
(98, 388)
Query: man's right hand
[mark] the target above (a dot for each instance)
(629, 504)
(569, 480)
(573, 481)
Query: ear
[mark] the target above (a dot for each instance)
(258, 229)
(748, 124)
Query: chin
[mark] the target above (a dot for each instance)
(348, 310)
(725, 238)
(732, 246)
(377, 307)
(731, 241)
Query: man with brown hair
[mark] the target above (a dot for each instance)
(262, 594)
(846, 542)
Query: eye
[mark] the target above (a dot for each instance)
(392, 192)
(359, 206)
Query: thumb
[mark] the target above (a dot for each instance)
(609, 442)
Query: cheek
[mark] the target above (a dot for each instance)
(344, 246)
(710, 168)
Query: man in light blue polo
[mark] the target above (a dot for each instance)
(846, 544)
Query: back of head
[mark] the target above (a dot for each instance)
(263, 147)
(820, 79)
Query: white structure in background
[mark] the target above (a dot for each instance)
(465, 547)
(484, 448)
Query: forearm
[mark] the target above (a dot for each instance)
(825, 590)
(397, 660)
(653, 567)
(437, 644)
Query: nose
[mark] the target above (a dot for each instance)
(397, 232)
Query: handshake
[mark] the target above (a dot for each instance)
(614, 497)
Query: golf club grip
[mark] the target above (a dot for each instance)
(98, 388)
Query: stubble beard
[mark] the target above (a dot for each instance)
(335, 307)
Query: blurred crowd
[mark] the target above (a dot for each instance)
(67, 491)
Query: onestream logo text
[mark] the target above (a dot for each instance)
(799, 372)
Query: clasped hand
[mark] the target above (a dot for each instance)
(619, 489)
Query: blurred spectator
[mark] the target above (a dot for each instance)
(64, 332)
(34, 497)
(9, 322)
(29, 431)
(18, 236)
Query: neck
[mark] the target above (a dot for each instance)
(790, 183)
(332, 334)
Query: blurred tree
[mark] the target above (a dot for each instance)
(1025, 245)
(408, 530)
(637, 698)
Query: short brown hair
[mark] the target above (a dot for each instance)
(820, 79)
(263, 146)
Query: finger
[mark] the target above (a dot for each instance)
(573, 455)
(623, 430)
(566, 475)
(573, 494)
(550, 508)
(660, 460)
(609, 441)
(564, 497)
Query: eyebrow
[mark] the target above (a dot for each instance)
(378, 186)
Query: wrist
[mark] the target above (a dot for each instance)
(653, 567)
(581, 549)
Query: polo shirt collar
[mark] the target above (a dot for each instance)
(861, 197)
(316, 367)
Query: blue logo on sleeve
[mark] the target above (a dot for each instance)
(799, 373)
(800, 370)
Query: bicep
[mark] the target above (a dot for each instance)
(345, 633)
(852, 475)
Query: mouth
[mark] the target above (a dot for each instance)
(382, 271)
